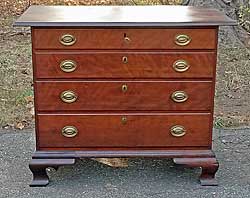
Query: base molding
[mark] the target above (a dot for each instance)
(191, 158)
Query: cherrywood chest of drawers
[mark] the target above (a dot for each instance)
(124, 82)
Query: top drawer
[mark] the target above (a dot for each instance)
(203, 38)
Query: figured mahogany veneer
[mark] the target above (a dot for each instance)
(108, 95)
(115, 38)
(124, 81)
(104, 64)
(140, 130)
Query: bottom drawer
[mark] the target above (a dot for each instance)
(123, 130)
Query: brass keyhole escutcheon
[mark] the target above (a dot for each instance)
(179, 96)
(178, 131)
(124, 88)
(124, 119)
(67, 39)
(68, 96)
(68, 66)
(125, 59)
(181, 66)
(182, 40)
(69, 131)
(126, 38)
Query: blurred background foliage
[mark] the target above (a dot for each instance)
(244, 16)
(232, 90)
(16, 7)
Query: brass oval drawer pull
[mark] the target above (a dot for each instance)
(124, 88)
(69, 131)
(67, 39)
(124, 119)
(179, 96)
(178, 131)
(68, 96)
(182, 39)
(68, 66)
(181, 66)
(125, 59)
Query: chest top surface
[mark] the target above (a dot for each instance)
(122, 16)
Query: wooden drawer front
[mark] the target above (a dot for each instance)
(123, 95)
(125, 64)
(124, 38)
(139, 130)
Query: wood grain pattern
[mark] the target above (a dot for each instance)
(120, 16)
(103, 64)
(204, 38)
(108, 130)
(108, 95)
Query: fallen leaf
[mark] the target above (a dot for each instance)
(19, 125)
(113, 162)
(29, 99)
(24, 71)
(7, 126)
(32, 112)
(29, 105)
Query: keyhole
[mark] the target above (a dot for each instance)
(126, 38)
(124, 120)
(125, 59)
(124, 88)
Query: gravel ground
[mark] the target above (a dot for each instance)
(143, 178)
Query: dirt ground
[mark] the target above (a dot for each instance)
(16, 93)
(232, 105)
